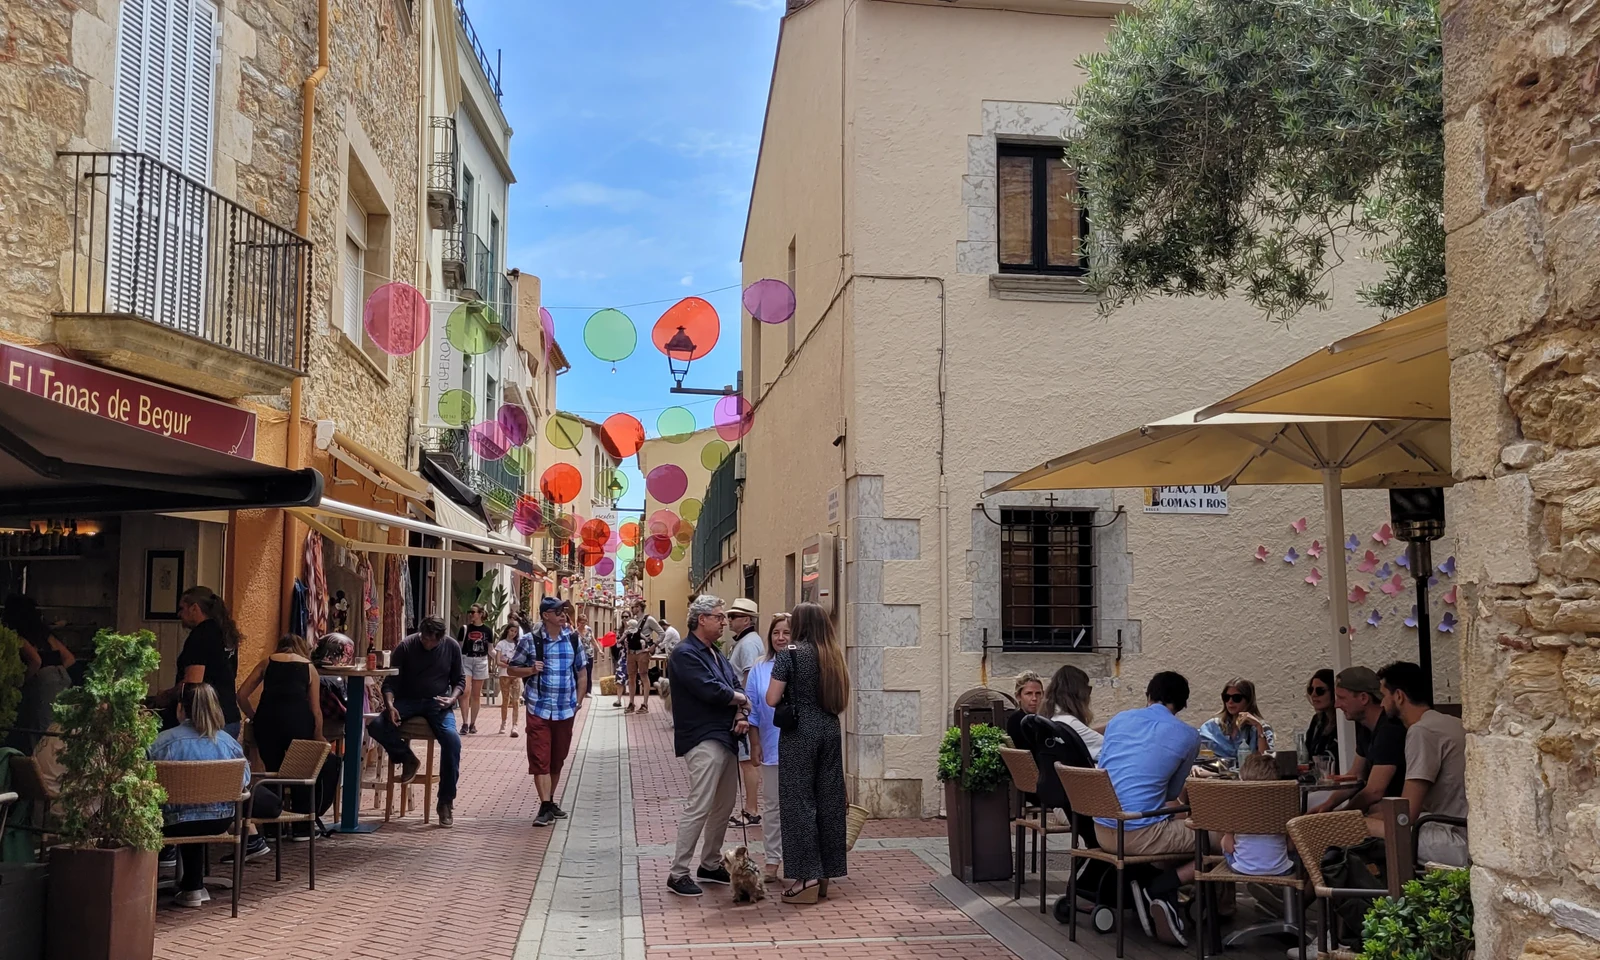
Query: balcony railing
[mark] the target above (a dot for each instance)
(149, 242)
(480, 267)
(444, 203)
(491, 74)
(719, 518)
(491, 478)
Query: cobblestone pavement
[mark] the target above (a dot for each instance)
(496, 888)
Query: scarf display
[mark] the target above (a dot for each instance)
(316, 579)
(394, 603)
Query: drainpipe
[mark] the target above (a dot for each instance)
(308, 111)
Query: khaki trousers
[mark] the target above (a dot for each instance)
(771, 821)
(713, 789)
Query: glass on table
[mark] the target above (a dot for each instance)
(1324, 764)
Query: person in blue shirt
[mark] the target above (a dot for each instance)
(199, 735)
(555, 672)
(1238, 724)
(764, 744)
(1149, 754)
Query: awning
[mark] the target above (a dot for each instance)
(493, 549)
(376, 468)
(77, 440)
(441, 478)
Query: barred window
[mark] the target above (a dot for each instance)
(1047, 597)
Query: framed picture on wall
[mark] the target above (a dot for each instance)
(163, 583)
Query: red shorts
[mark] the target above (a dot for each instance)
(548, 743)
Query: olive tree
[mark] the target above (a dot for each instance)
(1244, 147)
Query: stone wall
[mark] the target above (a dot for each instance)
(1522, 211)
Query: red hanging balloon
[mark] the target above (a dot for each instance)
(561, 483)
(688, 330)
(622, 435)
(653, 567)
(590, 554)
(396, 317)
(628, 533)
(596, 531)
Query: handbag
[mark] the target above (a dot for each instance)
(783, 715)
(1358, 867)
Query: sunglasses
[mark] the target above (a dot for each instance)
(1234, 698)
(1317, 691)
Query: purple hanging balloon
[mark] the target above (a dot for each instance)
(770, 301)
(514, 421)
(489, 440)
(548, 323)
(606, 567)
(667, 483)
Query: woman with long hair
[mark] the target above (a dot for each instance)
(210, 654)
(1238, 723)
(475, 638)
(291, 699)
(201, 734)
(811, 791)
(1322, 734)
(764, 744)
(510, 687)
(1066, 700)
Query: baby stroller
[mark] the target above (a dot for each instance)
(1052, 743)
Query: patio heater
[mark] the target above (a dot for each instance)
(1418, 518)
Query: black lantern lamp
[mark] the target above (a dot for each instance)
(680, 353)
(1418, 518)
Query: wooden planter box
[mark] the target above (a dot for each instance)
(101, 905)
(979, 830)
(22, 911)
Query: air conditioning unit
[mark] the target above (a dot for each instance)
(444, 209)
(739, 466)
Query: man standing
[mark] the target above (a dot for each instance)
(428, 684)
(551, 660)
(708, 713)
(1436, 764)
(1380, 741)
(748, 650)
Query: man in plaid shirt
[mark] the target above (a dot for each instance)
(555, 669)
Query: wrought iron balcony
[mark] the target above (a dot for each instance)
(493, 479)
(490, 73)
(163, 266)
(444, 196)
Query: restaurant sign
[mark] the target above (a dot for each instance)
(1209, 500)
(127, 400)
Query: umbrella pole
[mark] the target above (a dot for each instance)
(1338, 610)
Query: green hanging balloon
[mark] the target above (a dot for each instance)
(456, 407)
(675, 424)
(610, 335)
(518, 461)
(679, 552)
(564, 431)
(473, 328)
(712, 454)
(616, 483)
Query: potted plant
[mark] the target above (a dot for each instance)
(12, 676)
(1431, 920)
(102, 886)
(977, 805)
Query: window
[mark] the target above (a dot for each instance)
(788, 582)
(355, 268)
(367, 261)
(467, 186)
(792, 320)
(1042, 224)
(1047, 579)
(755, 358)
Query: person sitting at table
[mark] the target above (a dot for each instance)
(1322, 734)
(1148, 754)
(1258, 855)
(199, 735)
(1029, 690)
(1380, 743)
(1066, 701)
(1436, 764)
(427, 684)
(1238, 723)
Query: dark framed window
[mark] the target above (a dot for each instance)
(1042, 221)
(1047, 573)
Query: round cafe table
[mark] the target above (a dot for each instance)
(354, 732)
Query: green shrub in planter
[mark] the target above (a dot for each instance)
(12, 674)
(985, 769)
(1432, 920)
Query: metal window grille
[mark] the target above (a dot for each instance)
(719, 518)
(1047, 580)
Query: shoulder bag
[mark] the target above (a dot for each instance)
(783, 715)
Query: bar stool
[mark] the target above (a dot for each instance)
(414, 729)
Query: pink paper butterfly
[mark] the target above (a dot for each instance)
(1368, 563)
(1450, 596)
(1316, 548)
(1358, 594)
(1291, 556)
(1315, 577)
(1393, 586)
(1299, 526)
(1262, 553)
(1384, 535)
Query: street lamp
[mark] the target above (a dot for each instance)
(1418, 518)
(680, 353)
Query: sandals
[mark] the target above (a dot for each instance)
(809, 891)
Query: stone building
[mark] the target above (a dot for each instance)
(1523, 258)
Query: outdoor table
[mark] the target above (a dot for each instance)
(354, 729)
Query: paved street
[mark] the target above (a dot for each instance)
(496, 888)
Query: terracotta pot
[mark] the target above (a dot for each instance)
(978, 826)
(101, 905)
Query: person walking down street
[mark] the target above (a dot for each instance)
(811, 791)
(591, 647)
(642, 641)
(510, 687)
(428, 683)
(709, 713)
(748, 650)
(555, 681)
(764, 737)
(619, 659)
(475, 638)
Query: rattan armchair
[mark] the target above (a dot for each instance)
(1254, 807)
(1313, 835)
(1029, 818)
(301, 765)
(1089, 792)
(196, 782)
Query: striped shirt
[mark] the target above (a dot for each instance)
(185, 743)
(553, 693)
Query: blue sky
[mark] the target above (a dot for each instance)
(636, 128)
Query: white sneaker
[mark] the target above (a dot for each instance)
(1141, 907)
(191, 898)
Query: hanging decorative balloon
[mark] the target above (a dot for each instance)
(733, 415)
(625, 553)
(516, 423)
(629, 534)
(613, 542)
(564, 431)
(713, 453)
(689, 509)
(547, 322)
(519, 461)
(622, 435)
(685, 333)
(473, 328)
(456, 408)
(685, 533)
(679, 552)
(661, 524)
(606, 567)
(596, 531)
(657, 547)
(396, 318)
(561, 527)
(610, 336)
(528, 518)
(488, 440)
(590, 554)
(667, 483)
(770, 301)
(653, 567)
(561, 483)
(675, 424)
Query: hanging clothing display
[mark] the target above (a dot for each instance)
(298, 613)
(394, 600)
(316, 589)
(369, 601)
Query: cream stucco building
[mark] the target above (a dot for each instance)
(906, 154)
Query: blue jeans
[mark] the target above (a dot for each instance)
(443, 724)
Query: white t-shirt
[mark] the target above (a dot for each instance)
(505, 649)
(1091, 739)
(671, 640)
(747, 653)
(1260, 855)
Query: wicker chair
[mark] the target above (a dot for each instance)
(301, 765)
(31, 790)
(1029, 818)
(1313, 835)
(1090, 793)
(191, 782)
(415, 728)
(1247, 807)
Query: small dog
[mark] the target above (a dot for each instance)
(746, 874)
(664, 690)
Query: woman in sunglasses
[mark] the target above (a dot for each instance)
(1238, 723)
(1322, 736)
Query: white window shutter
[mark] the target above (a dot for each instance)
(354, 285)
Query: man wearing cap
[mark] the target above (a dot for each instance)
(748, 650)
(556, 680)
(1380, 742)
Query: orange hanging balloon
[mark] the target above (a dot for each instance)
(653, 567)
(688, 330)
(561, 483)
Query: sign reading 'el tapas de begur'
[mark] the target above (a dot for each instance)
(128, 400)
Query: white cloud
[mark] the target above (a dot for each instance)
(765, 6)
(687, 281)
(708, 143)
(583, 193)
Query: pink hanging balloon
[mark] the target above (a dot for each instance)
(514, 421)
(489, 440)
(667, 483)
(733, 416)
(606, 567)
(770, 301)
(396, 318)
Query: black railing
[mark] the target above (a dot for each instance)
(491, 74)
(719, 518)
(491, 478)
(480, 267)
(444, 197)
(149, 242)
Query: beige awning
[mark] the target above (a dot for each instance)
(481, 545)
